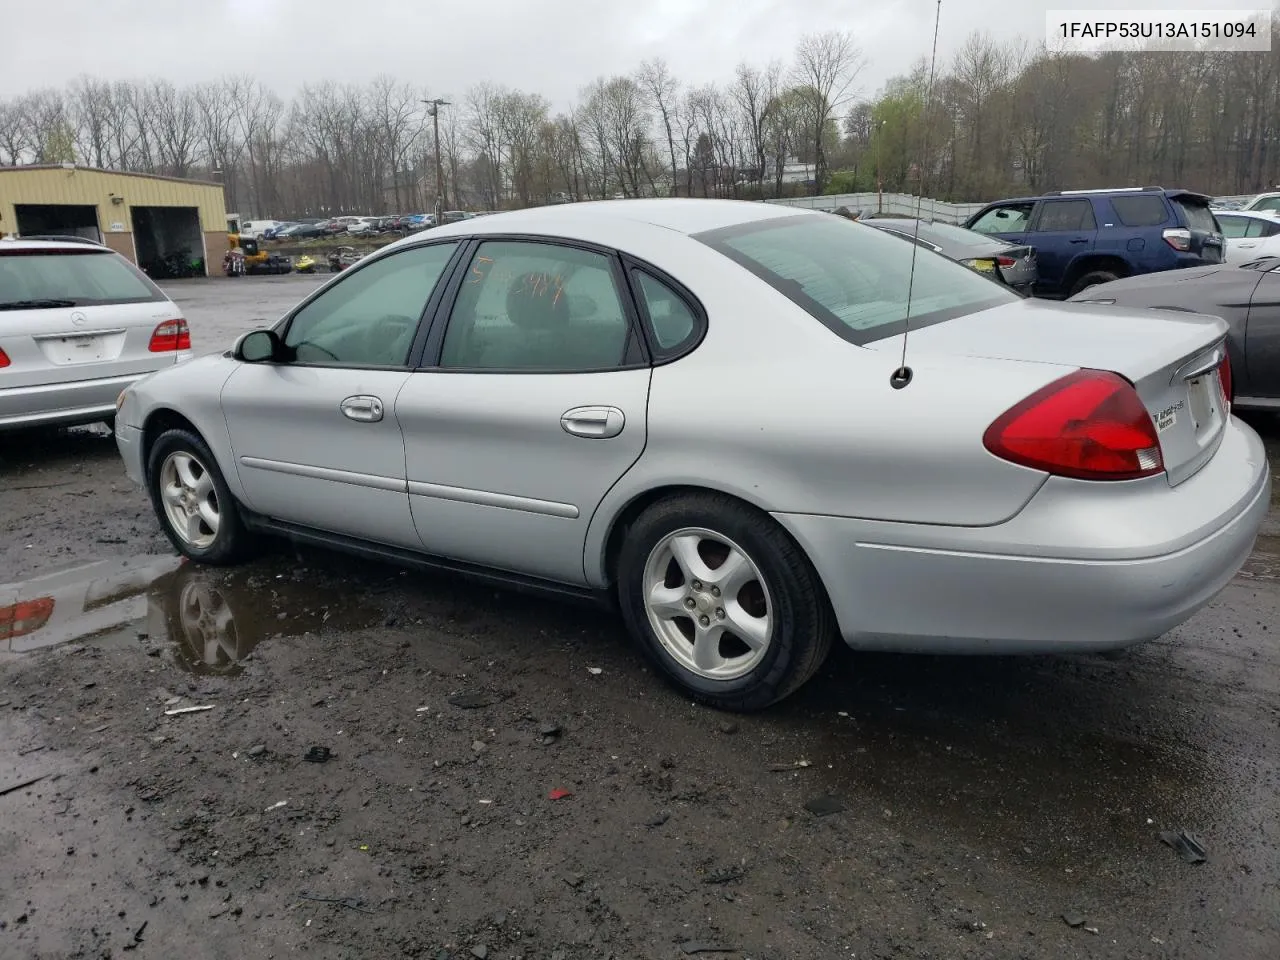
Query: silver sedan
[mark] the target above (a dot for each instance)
(700, 411)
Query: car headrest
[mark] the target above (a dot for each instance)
(537, 301)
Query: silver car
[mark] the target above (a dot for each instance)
(699, 410)
(78, 323)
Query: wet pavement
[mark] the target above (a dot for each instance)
(979, 800)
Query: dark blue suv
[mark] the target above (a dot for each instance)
(1086, 237)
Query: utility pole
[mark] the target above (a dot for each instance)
(435, 106)
(879, 180)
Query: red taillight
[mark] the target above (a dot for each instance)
(24, 617)
(170, 335)
(1090, 425)
(1006, 261)
(4, 359)
(1224, 378)
(1178, 237)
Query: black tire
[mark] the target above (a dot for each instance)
(1092, 279)
(232, 542)
(803, 621)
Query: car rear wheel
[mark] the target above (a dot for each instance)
(724, 601)
(196, 509)
(1092, 280)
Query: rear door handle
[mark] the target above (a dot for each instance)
(365, 409)
(597, 423)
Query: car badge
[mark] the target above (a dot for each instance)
(78, 318)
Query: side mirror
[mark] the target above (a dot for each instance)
(257, 346)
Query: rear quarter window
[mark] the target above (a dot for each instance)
(90, 278)
(1145, 211)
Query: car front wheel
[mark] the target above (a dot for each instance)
(191, 499)
(724, 601)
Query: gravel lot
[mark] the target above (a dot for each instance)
(981, 800)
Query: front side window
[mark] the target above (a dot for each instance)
(88, 278)
(1007, 219)
(369, 317)
(536, 306)
(854, 278)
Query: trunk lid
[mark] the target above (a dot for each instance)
(1169, 356)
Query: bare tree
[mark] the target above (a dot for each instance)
(663, 91)
(826, 66)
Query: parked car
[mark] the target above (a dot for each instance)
(363, 225)
(1249, 235)
(308, 231)
(1247, 297)
(257, 229)
(1085, 237)
(1010, 263)
(1025, 488)
(78, 323)
(1263, 203)
(272, 233)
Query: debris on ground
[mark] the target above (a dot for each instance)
(728, 726)
(1073, 919)
(276, 806)
(725, 875)
(317, 754)
(1186, 845)
(5, 791)
(697, 946)
(824, 806)
(351, 903)
(257, 750)
(559, 793)
(177, 711)
(471, 701)
(784, 767)
(595, 671)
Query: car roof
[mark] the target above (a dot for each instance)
(1251, 214)
(11, 245)
(682, 215)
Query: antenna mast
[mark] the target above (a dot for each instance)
(902, 376)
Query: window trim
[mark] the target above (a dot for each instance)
(281, 326)
(663, 355)
(635, 353)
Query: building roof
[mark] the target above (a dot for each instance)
(111, 173)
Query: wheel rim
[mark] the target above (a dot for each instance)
(708, 603)
(190, 499)
(208, 625)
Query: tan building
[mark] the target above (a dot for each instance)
(144, 217)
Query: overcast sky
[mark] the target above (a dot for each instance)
(553, 47)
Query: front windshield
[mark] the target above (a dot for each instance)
(855, 278)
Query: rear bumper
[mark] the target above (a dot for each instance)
(62, 404)
(1090, 567)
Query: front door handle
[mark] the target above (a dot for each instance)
(598, 423)
(1080, 240)
(364, 409)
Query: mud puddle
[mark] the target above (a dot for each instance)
(211, 620)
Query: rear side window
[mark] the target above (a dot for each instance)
(671, 319)
(1143, 211)
(1197, 215)
(1066, 215)
(90, 278)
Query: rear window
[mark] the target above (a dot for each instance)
(946, 234)
(1198, 215)
(89, 278)
(1145, 211)
(854, 278)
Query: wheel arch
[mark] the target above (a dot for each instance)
(1091, 262)
(602, 564)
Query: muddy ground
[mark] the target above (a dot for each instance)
(980, 800)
